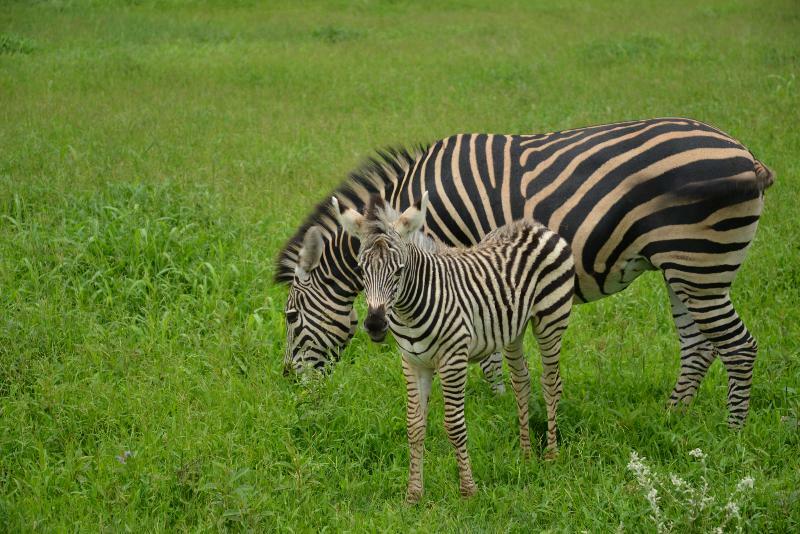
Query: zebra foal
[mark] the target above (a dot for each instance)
(450, 306)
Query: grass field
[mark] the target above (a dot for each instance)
(155, 155)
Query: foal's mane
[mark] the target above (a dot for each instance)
(379, 174)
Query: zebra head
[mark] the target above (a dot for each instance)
(382, 257)
(319, 323)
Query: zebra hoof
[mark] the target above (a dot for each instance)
(550, 454)
(413, 495)
(469, 489)
(679, 403)
(735, 423)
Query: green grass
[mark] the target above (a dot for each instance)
(155, 155)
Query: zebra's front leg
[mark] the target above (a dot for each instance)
(453, 374)
(492, 367)
(418, 388)
(697, 353)
(521, 382)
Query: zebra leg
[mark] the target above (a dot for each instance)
(521, 382)
(453, 374)
(719, 322)
(418, 388)
(697, 353)
(492, 367)
(549, 337)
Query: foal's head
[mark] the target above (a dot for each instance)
(384, 237)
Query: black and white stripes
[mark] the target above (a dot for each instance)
(451, 306)
(672, 194)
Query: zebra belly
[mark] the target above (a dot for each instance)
(623, 272)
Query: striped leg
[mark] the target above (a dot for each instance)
(719, 322)
(418, 388)
(521, 382)
(492, 367)
(697, 353)
(453, 374)
(549, 337)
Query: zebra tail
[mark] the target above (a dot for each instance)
(750, 186)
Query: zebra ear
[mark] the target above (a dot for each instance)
(350, 219)
(310, 253)
(413, 218)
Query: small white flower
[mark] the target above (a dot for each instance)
(638, 466)
(677, 481)
(698, 454)
(717, 530)
(745, 484)
(732, 508)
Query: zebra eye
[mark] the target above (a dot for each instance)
(292, 316)
(399, 269)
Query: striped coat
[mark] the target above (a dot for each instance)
(451, 306)
(673, 195)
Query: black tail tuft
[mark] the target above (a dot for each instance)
(764, 175)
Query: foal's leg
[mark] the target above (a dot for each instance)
(521, 381)
(453, 374)
(418, 387)
(492, 367)
(548, 333)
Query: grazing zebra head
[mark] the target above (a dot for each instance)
(319, 323)
(382, 233)
(320, 267)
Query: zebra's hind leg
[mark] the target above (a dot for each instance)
(521, 382)
(717, 319)
(492, 367)
(453, 375)
(697, 353)
(418, 388)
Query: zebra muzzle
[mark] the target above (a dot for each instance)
(376, 324)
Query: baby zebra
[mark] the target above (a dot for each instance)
(450, 306)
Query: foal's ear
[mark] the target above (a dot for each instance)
(310, 252)
(412, 219)
(350, 219)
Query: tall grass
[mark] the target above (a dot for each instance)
(155, 155)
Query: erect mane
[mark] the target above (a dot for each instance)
(379, 174)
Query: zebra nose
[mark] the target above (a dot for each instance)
(376, 322)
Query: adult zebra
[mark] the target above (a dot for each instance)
(671, 194)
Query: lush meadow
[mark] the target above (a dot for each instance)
(155, 155)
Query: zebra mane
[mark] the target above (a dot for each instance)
(379, 174)
(379, 215)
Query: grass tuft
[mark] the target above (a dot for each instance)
(15, 44)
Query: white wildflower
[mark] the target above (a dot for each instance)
(745, 484)
(677, 481)
(717, 530)
(639, 468)
(652, 497)
(733, 509)
(698, 454)
(706, 500)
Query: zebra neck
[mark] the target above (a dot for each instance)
(339, 264)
